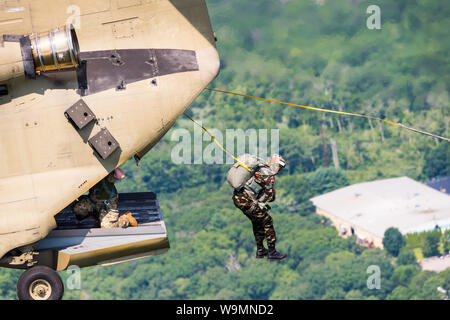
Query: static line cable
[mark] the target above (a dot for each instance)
(217, 142)
(334, 111)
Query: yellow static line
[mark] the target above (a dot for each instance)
(217, 142)
(305, 107)
(333, 111)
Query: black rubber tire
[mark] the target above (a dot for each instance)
(36, 273)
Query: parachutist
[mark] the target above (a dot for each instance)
(251, 193)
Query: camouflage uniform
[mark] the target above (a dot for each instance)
(246, 200)
(102, 203)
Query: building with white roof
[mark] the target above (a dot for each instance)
(368, 209)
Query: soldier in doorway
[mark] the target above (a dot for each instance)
(102, 204)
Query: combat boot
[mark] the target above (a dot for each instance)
(261, 252)
(274, 255)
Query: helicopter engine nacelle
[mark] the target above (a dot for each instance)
(54, 50)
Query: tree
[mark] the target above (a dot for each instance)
(327, 179)
(437, 160)
(446, 240)
(354, 295)
(403, 275)
(430, 246)
(393, 241)
(400, 293)
(406, 257)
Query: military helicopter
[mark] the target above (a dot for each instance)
(84, 87)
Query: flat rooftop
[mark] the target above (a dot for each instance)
(400, 202)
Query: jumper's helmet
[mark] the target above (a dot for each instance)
(276, 163)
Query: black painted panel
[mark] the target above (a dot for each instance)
(3, 90)
(108, 69)
(27, 57)
(12, 37)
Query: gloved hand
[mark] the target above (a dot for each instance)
(254, 205)
(127, 220)
(131, 219)
(262, 206)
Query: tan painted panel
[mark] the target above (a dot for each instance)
(10, 71)
(15, 189)
(124, 28)
(13, 159)
(47, 14)
(20, 224)
(14, 17)
(128, 3)
(10, 10)
(90, 7)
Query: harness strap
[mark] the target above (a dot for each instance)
(110, 192)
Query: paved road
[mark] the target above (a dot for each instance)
(436, 264)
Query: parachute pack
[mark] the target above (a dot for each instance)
(238, 175)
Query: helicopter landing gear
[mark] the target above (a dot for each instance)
(40, 283)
